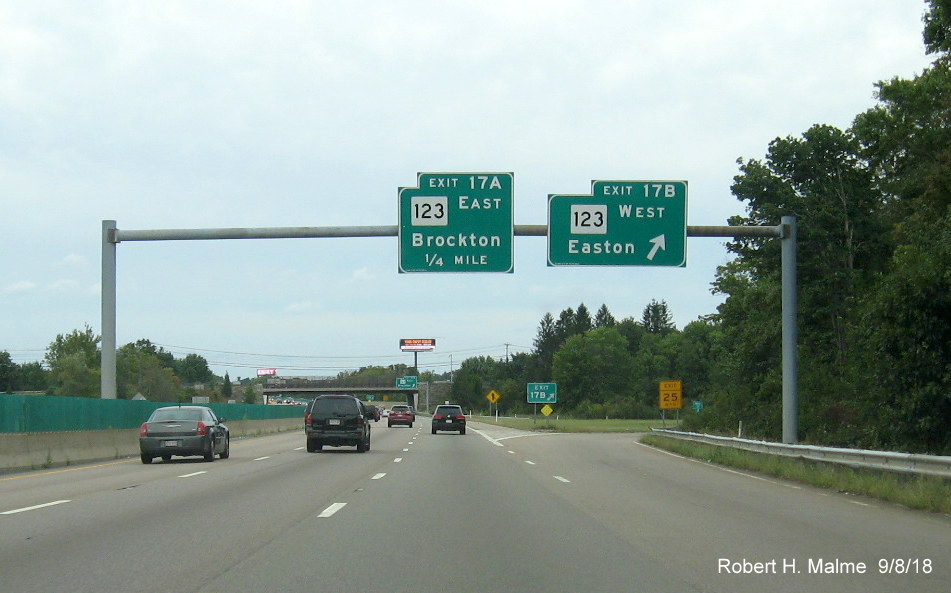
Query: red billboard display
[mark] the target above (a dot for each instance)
(418, 344)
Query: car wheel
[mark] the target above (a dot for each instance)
(434, 431)
(318, 446)
(411, 425)
(462, 431)
(146, 458)
(389, 425)
(227, 452)
(362, 447)
(210, 453)
(311, 445)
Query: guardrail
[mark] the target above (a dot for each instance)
(933, 465)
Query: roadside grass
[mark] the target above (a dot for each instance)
(928, 493)
(572, 424)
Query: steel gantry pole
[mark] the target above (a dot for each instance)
(108, 356)
(790, 334)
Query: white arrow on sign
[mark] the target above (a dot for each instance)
(659, 242)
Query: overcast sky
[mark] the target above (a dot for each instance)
(270, 114)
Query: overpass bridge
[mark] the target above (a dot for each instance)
(386, 394)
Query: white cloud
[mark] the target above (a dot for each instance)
(19, 287)
(301, 307)
(63, 285)
(74, 260)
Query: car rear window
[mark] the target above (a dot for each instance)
(449, 410)
(334, 406)
(401, 408)
(175, 414)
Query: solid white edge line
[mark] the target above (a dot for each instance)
(715, 466)
(33, 508)
(331, 510)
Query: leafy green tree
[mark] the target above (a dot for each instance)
(194, 369)
(582, 320)
(249, 396)
(603, 318)
(72, 376)
(226, 388)
(592, 366)
(141, 370)
(907, 315)
(31, 376)
(546, 344)
(656, 318)
(8, 373)
(73, 360)
(937, 32)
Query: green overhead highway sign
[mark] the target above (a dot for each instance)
(542, 393)
(457, 222)
(407, 382)
(622, 223)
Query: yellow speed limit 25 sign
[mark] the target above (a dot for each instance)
(671, 395)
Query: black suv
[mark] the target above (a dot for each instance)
(337, 420)
(449, 417)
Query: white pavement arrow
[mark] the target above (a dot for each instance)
(660, 242)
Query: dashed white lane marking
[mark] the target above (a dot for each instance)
(35, 507)
(193, 474)
(262, 458)
(329, 511)
(378, 476)
(397, 460)
(530, 462)
(560, 479)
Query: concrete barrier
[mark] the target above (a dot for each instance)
(37, 450)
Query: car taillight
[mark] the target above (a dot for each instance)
(308, 420)
(202, 429)
(144, 429)
(460, 417)
(438, 416)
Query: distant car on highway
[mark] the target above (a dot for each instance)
(184, 431)
(449, 417)
(373, 411)
(337, 420)
(400, 414)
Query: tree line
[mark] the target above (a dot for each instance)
(71, 367)
(873, 205)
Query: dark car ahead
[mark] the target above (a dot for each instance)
(184, 431)
(449, 417)
(337, 420)
(400, 414)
